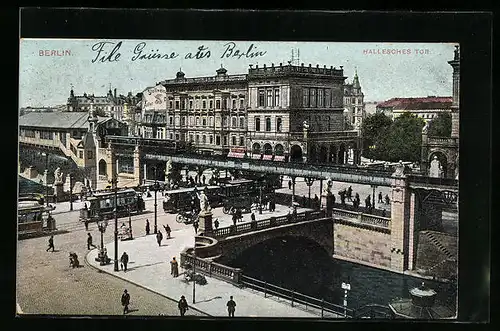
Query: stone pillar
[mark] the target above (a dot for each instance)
(205, 221)
(137, 166)
(424, 162)
(400, 210)
(413, 231)
(59, 191)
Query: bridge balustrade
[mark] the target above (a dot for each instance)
(210, 268)
(363, 218)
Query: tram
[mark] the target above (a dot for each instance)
(30, 216)
(101, 205)
(185, 199)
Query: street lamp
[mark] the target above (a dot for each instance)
(102, 224)
(71, 191)
(156, 189)
(46, 177)
(114, 182)
(194, 271)
(346, 287)
(130, 222)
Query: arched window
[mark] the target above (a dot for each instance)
(268, 123)
(242, 122)
(256, 148)
(233, 122)
(257, 123)
(268, 149)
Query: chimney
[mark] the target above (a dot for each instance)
(317, 66)
(281, 64)
(115, 93)
(309, 65)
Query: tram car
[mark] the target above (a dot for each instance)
(101, 205)
(185, 199)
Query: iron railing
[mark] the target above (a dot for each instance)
(297, 298)
(210, 268)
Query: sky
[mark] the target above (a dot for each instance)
(49, 67)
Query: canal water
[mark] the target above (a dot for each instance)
(303, 266)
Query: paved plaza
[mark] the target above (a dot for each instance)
(149, 267)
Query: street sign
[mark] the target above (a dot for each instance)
(346, 286)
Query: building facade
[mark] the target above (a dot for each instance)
(272, 113)
(426, 108)
(111, 105)
(354, 104)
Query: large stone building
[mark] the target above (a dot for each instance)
(273, 113)
(111, 105)
(354, 104)
(426, 108)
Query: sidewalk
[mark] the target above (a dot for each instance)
(149, 267)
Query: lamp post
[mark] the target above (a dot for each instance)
(71, 191)
(346, 287)
(46, 178)
(102, 224)
(194, 271)
(130, 223)
(156, 189)
(114, 182)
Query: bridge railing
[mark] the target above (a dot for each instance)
(210, 268)
(363, 218)
(296, 298)
(433, 181)
(264, 224)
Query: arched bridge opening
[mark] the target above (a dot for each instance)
(292, 262)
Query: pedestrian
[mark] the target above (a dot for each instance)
(174, 268)
(195, 226)
(234, 218)
(167, 230)
(183, 305)
(239, 215)
(289, 184)
(231, 306)
(147, 227)
(203, 179)
(125, 301)
(252, 217)
(89, 241)
(124, 261)
(316, 201)
(387, 200)
(159, 238)
(367, 202)
(380, 200)
(333, 199)
(86, 225)
(349, 193)
(51, 244)
(383, 212)
(216, 223)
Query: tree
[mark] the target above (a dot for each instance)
(374, 130)
(440, 126)
(404, 140)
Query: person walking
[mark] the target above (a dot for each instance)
(387, 200)
(203, 179)
(252, 217)
(125, 301)
(289, 184)
(167, 230)
(51, 244)
(147, 227)
(124, 261)
(234, 218)
(216, 223)
(368, 202)
(174, 268)
(349, 193)
(159, 238)
(231, 306)
(183, 305)
(89, 241)
(195, 226)
(380, 199)
(86, 225)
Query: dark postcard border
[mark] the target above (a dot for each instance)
(473, 31)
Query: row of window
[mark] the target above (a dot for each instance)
(317, 97)
(269, 97)
(204, 121)
(202, 104)
(267, 124)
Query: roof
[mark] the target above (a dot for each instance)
(56, 120)
(417, 103)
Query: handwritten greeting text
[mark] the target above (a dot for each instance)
(108, 52)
